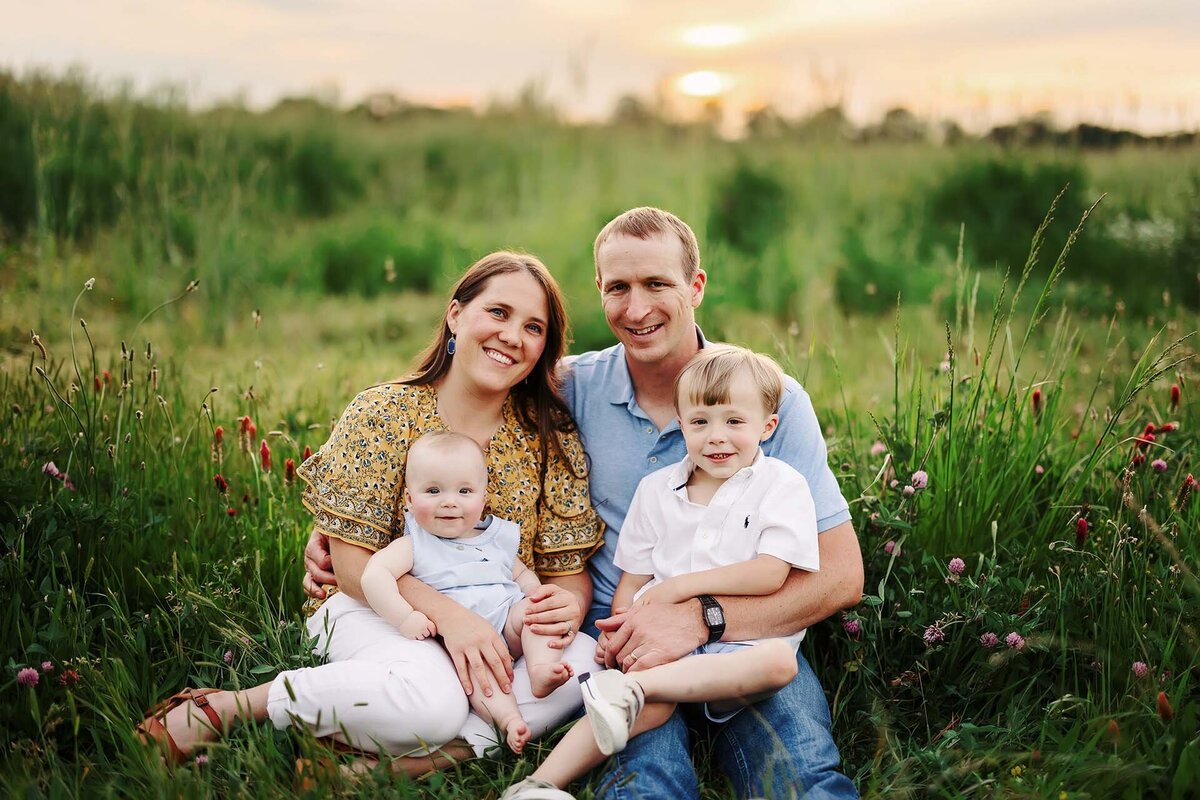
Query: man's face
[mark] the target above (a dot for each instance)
(648, 302)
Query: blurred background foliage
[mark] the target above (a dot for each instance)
(385, 197)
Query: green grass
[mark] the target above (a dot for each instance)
(141, 581)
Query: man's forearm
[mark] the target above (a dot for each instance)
(805, 599)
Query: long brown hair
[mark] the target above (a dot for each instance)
(538, 403)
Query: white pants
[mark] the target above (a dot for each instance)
(382, 692)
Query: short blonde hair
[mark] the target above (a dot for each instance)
(645, 222)
(707, 378)
(446, 442)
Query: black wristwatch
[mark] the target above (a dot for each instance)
(714, 617)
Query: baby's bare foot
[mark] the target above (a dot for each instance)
(545, 678)
(517, 733)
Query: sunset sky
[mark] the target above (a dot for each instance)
(1117, 62)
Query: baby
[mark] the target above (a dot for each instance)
(473, 561)
(727, 520)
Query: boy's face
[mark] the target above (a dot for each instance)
(447, 490)
(723, 439)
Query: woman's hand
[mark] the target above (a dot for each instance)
(553, 611)
(476, 649)
(318, 565)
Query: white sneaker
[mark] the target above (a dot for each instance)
(535, 789)
(613, 701)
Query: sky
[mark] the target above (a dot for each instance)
(1121, 63)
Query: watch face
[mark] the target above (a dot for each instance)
(713, 616)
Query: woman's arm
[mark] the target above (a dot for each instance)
(758, 576)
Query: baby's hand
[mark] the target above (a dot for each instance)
(417, 626)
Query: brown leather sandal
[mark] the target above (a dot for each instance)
(152, 730)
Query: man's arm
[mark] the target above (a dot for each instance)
(660, 633)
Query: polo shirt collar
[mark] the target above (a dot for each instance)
(620, 388)
(682, 471)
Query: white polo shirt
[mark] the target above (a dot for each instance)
(763, 509)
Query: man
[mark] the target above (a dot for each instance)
(650, 281)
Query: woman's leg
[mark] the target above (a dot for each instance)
(380, 692)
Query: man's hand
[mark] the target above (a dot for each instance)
(318, 565)
(476, 649)
(553, 611)
(649, 635)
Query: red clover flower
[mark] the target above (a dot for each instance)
(1158, 465)
(1165, 712)
(265, 453)
(1081, 531)
(1015, 641)
(27, 677)
(934, 634)
(1036, 401)
(852, 627)
(1140, 670)
(69, 678)
(891, 548)
(956, 566)
(989, 640)
(47, 666)
(289, 470)
(1174, 396)
(920, 479)
(221, 484)
(307, 454)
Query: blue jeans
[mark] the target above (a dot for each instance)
(780, 748)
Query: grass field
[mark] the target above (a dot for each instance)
(1029, 624)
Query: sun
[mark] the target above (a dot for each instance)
(703, 83)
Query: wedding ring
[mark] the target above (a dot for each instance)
(570, 629)
(633, 656)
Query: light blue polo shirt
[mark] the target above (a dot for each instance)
(623, 446)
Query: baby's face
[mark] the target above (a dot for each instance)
(447, 490)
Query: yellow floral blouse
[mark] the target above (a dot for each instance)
(355, 483)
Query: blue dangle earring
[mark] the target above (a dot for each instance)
(451, 345)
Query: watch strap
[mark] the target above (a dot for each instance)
(715, 630)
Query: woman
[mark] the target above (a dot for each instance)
(489, 374)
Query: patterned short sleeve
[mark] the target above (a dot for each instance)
(568, 529)
(354, 480)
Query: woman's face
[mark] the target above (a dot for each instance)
(500, 335)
